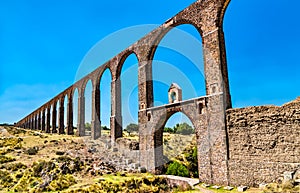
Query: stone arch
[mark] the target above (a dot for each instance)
(176, 42)
(75, 102)
(99, 76)
(166, 30)
(222, 13)
(122, 60)
(105, 89)
(164, 119)
(85, 82)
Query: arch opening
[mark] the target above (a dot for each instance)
(178, 58)
(66, 100)
(105, 102)
(88, 108)
(75, 110)
(179, 146)
(129, 96)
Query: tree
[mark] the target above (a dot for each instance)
(88, 126)
(183, 128)
(132, 127)
(168, 129)
(105, 127)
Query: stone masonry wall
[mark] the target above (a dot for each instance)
(264, 142)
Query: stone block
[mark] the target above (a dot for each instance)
(262, 186)
(242, 188)
(228, 188)
(287, 176)
(216, 187)
(205, 185)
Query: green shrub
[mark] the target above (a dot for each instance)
(15, 166)
(6, 159)
(177, 169)
(184, 129)
(168, 130)
(32, 150)
(5, 179)
(62, 182)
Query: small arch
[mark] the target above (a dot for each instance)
(175, 134)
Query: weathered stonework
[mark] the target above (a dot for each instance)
(239, 146)
(263, 142)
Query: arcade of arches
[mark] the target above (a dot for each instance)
(220, 157)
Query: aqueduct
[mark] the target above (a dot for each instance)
(207, 113)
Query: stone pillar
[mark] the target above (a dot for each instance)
(35, 122)
(81, 114)
(96, 126)
(48, 121)
(70, 130)
(145, 101)
(116, 110)
(61, 126)
(54, 115)
(43, 120)
(216, 75)
(216, 84)
(39, 121)
(31, 123)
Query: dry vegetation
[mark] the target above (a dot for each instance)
(31, 161)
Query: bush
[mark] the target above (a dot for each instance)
(6, 159)
(184, 129)
(105, 128)
(168, 130)
(177, 169)
(132, 127)
(32, 150)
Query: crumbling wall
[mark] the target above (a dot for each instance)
(264, 142)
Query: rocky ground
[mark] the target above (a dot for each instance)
(31, 161)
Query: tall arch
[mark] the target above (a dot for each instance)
(178, 58)
(75, 100)
(88, 88)
(105, 101)
(129, 90)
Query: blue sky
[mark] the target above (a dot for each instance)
(44, 45)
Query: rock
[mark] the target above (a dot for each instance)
(297, 181)
(92, 150)
(143, 170)
(216, 187)
(287, 176)
(242, 188)
(205, 185)
(262, 186)
(228, 188)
